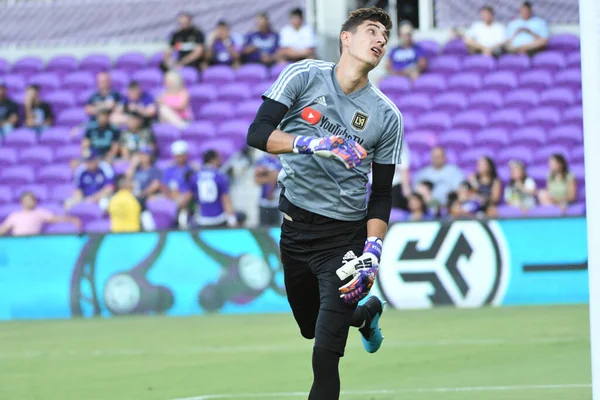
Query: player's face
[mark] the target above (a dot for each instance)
(368, 43)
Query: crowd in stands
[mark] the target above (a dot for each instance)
(116, 168)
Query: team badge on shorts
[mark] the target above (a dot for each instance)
(359, 121)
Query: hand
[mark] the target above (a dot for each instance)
(232, 221)
(363, 269)
(346, 150)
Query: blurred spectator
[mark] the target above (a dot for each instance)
(137, 101)
(561, 189)
(174, 103)
(94, 181)
(260, 46)
(177, 180)
(521, 188)
(124, 209)
(212, 190)
(296, 40)
(425, 190)
(401, 182)
(9, 111)
(528, 33)
(486, 184)
(31, 219)
(409, 58)
(186, 45)
(38, 114)
(486, 36)
(102, 137)
(222, 48)
(266, 172)
(470, 202)
(105, 98)
(455, 210)
(135, 137)
(146, 176)
(445, 177)
(417, 208)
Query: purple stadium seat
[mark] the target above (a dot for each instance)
(409, 122)
(234, 92)
(148, 78)
(8, 157)
(546, 116)
(576, 209)
(14, 82)
(198, 130)
(248, 109)
(455, 139)
(395, 85)
(27, 66)
(398, 215)
(53, 174)
(430, 83)
(488, 100)
(567, 135)
(67, 153)
(86, 211)
(251, 73)
(569, 77)
(6, 209)
(166, 132)
(276, 69)
(445, 64)
(545, 211)
(470, 157)
(6, 195)
(536, 80)
(71, 117)
(532, 136)
(54, 208)
(217, 111)
(450, 101)
(60, 100)
(95, 63)
(506, 154)
(225, 146)
(414, 102)
(521, 98)
(120, 166)
(218, 74)
(435, 120)
(507, 211)
(20, 138)
(563, 42)
(422, 141)
(36, 156)
(61, 192)
(190, 75)
(549, 60)
(47, 81)
(431, 47)
(17, 175)
(456, 46)
(119, 78)
(478, 63)
(98, 226)
(577, 155)
(574, 60)
(164, 212)
(492, 137)
(60, 228)
(542, 154)
(578, 171)
(4, 66)
(55, 136)
(62, 64)
(156, 59)
(506, 118)
(80, 80)
(557, 97)
(472, 119)
(580, 191)
(513, 62)
(465, 81)
(131, 61)
(202, 94)
(83, 96)
(39, 191)
(573, 115)
(236, 127)
(500, 80)
(257, 90)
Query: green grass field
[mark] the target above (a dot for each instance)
(442, 354)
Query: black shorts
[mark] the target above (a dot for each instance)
(312, 248)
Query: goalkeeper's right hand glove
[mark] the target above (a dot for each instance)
(346, 150)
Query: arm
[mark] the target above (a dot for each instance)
(228, 207)
(152, 188)
(380, 202)
(405, 176)
(422, 63)
(102, 193)
(496, 192)
(65, 218)
(193, 56)
(571, 191)
(90, 109)
(6, 226)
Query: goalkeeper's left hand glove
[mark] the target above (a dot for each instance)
(363, 269)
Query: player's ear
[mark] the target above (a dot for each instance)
(345, 38)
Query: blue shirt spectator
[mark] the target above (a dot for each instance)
(138, 101)
(93, 176)
(104, 99)
(527, 33)
(408, 59)
(9, 111)
(102, 137)
(260, 46)
(146, 176)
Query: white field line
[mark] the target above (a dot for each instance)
(397, 391)
(110, 352)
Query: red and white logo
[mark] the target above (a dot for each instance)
(311, 115)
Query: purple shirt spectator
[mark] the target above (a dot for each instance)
(142, 178)
(220, 53)
(91, 182)
(178, 178)
(209, 187)
(405, 57)
(265, 42)
(145, 100)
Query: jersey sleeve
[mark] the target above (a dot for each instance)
(291, 83)
(389, 148)
(222, 183)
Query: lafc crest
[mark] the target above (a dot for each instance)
(359, 121)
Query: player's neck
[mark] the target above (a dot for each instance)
(351, 75)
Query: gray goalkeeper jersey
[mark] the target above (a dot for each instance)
(319, 107)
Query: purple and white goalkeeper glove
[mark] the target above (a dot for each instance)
(346, 150)
(363, 269)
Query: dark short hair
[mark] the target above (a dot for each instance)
(210, 156)
(361, 15)
(28, 193)
(527, 4)
(35, 87)
(222, 22)
(427, 184)
(297, 12)
(120, 179)
(133, 85)
(487, 8)
(185, 14)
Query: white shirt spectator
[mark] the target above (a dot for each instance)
(300, 39)
(487, 35)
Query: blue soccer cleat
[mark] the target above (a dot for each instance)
(371, 333)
